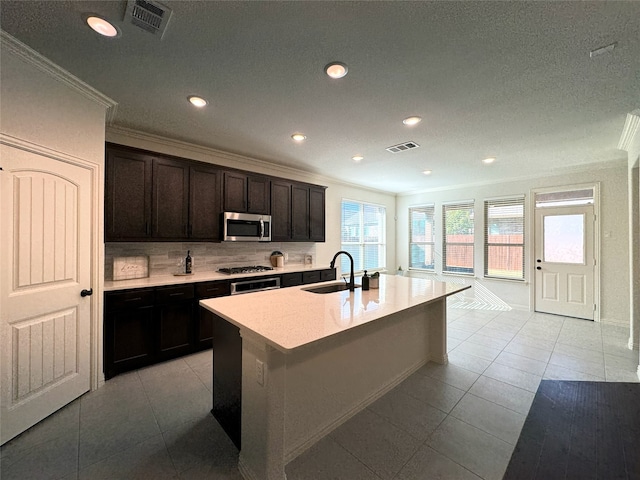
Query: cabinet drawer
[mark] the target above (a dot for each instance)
(174, 293)
(310, 277)
(292, 279)
(328, 274)
(213, 289)
(128, 299)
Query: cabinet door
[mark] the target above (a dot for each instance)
(291, 279)
(316, 214)
(258, 195)
(280, 211)
(174, 319)
(235, 192)
(127, 196)
(170, 211)
(299, 212)
(128, 331)
(205, 205)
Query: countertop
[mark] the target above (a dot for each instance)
(289, 318)
(164, 280)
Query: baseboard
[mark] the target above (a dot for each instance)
(245, 471)
(327, 429)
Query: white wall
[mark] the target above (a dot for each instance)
(334, 194)
(614, 260)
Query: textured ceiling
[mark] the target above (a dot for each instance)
(508, 79)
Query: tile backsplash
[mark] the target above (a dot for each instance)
(165, 258)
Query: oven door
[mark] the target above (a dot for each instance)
(246, 227)
(256, 285)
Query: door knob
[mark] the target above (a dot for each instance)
(86, 293)
(538, 268)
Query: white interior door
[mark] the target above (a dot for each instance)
(565, 261)
(45, 263)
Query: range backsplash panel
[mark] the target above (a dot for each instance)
(166, 258)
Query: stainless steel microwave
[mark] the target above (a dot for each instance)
(246, 227)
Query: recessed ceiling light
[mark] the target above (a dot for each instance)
(101, 26)
(412, 120)
(336, 70)
(427, 172)
(299, 137)
(357, 158)
(197, 101)
(489, 160)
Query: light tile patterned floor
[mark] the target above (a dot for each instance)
(455, 421)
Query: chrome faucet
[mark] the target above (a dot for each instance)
(351, 278)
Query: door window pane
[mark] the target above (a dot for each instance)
(564, 239)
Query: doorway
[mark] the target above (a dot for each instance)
(565, 253)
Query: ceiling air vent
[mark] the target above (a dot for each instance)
(401, 147)
(150, 16)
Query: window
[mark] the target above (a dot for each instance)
(504, 238)
(457, 238)
(363, 235)
(422, 238)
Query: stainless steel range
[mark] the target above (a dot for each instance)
(249, 269)
(254, 285)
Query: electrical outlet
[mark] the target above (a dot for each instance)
(286, 257)
(259, 372)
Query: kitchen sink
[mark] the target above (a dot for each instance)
(330, 288)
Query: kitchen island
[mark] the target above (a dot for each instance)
(311, 361)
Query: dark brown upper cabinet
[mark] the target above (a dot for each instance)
(153, 197)
(246, 193)
(170, 207)
(235, 192)
(205, 202)
(128, 185)
(280, 211)
(258, 194)
(299, 213)
(316, 214)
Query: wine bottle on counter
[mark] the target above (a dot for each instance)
(187, 263)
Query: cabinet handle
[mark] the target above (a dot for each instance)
(133, 299)
(147, 230)
(176, 294)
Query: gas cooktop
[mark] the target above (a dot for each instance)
(249, 269)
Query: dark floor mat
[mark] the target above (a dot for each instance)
(580, 430)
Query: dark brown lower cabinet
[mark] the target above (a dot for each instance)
(174, 317)
(227, 377)
(128, 322)
(144, 326)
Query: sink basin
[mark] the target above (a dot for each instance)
(329, 288)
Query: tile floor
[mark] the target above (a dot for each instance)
(458, 421)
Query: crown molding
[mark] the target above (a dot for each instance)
(45, 65)
(630, 130)
(235, 160)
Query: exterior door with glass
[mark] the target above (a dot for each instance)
(565, 261)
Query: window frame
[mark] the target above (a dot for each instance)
(429, 208)
(382, 243)
(516, 200)
(451, 206)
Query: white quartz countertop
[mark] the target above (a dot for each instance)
(289, 318)
(164, 280)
